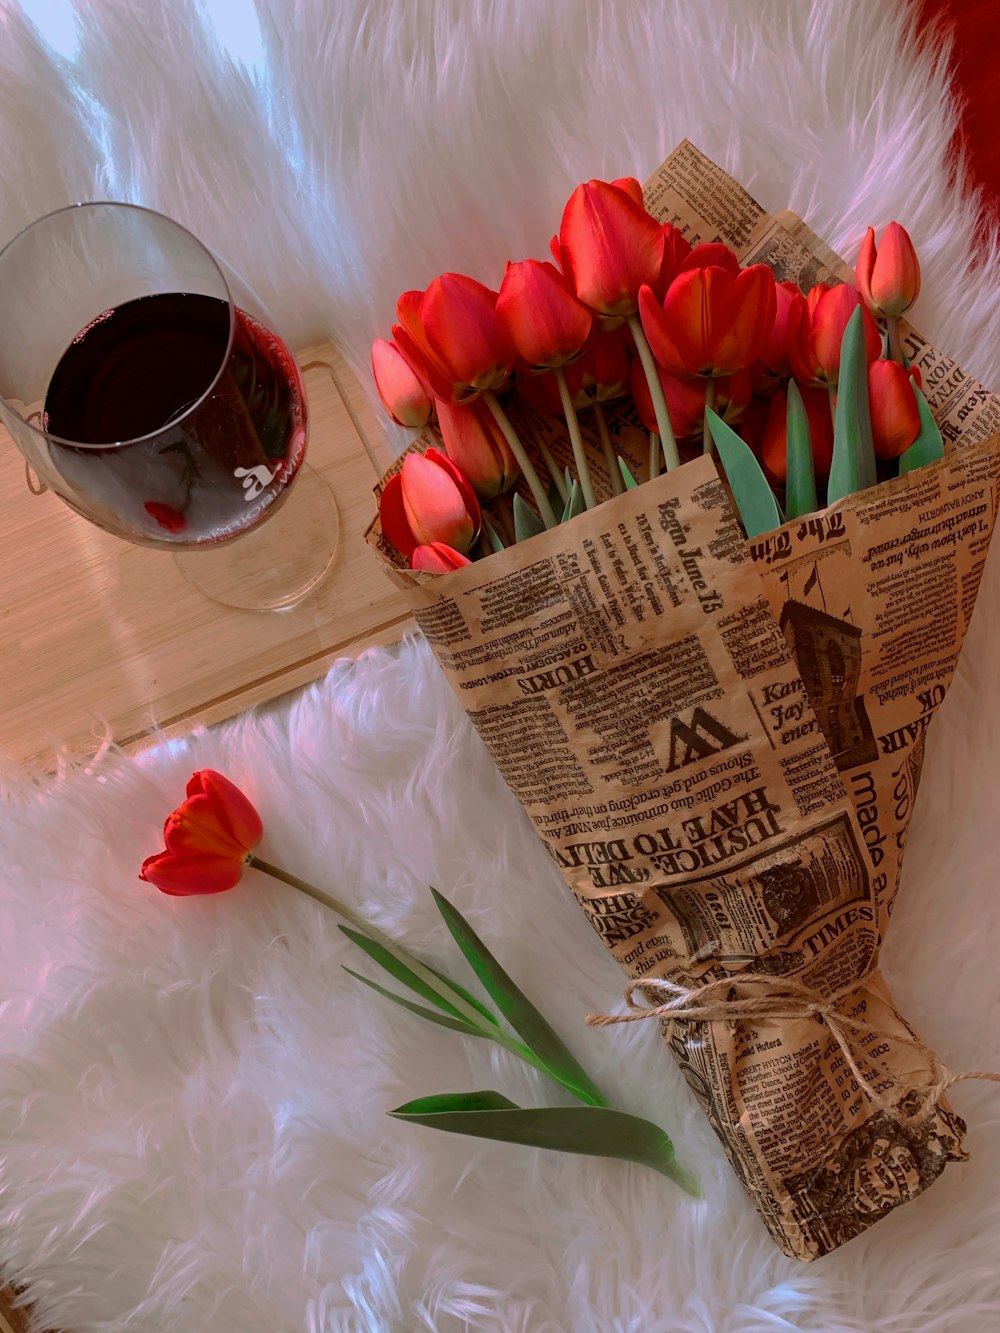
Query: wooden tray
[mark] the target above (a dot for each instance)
(103, 639)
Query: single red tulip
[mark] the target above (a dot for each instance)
(789, 312)
(711, 254)
(429, 500)
(539, 314)
(888, 274)
(608, 247)
(676, 253)
(686, 399)
(711, 322)
(437, 558)
(895, 418)
(774, 442)
(209, 838)
(402, 394)
(814, 354)
(476, 445)
(454, 325)
(603, 370)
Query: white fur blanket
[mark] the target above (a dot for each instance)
(192, 1092)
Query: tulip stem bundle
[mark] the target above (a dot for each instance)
(576, 440)
(545, 510)
(665, 431)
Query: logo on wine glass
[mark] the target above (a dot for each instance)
(255, 479)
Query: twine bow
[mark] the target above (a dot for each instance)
(786, 997)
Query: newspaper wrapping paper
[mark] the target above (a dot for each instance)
(720, 743)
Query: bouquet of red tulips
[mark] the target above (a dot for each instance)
(702, 618)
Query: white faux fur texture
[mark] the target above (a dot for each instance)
(192, 1093)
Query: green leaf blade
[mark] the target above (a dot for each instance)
(928, 447)
(593, 1131)
(853, 465)
(432, 1016)
(574, 505)
(627, 477)
(526, 521)
(752, 493)
(494, 538)
(522, 1015)
(800, 481)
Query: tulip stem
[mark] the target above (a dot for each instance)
(552, 467)
(666, 431)
(654, 455)
(610, 457)
(708, 445)
(430, 978)
(576, 439)
(896, 350)
(524, 462)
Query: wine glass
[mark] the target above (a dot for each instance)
(145, 384)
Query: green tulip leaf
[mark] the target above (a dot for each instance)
(929, 444)
(526, 521)
(594, 1131)
(495, 540)
(754, 498)
(431, 1015)
(853, 465)
(422, 980)
(627, 478)
(574, 505)
(524, 1018)
(800, 483)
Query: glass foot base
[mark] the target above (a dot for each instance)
(275, 565)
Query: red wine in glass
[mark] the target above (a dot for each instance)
(191, 440)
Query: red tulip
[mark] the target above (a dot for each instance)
(602, 371)
(632, 188)
(476, 445)
(608, 247)
(210, 839)
(711, 254)
(814, 353)
(437, 558)
(401, 391)
(539, 314)
(454, 324)
(790, 310)
(429, 501)
(895, 418)
(686, 399)
(889, 274)
(676, 254)
(774, 443)
(711, 322)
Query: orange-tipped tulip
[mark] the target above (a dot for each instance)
(686, 399)
(774, 442)
(476, 445)
(895, 418)
(608, 247)
(814, 354)
(429, 500)
(888, 274)
(401, 391)
(538, 313)
(437, 558)
(209, 838)
(712, 322)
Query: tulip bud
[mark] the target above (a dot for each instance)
(712, 322)
(790, 310)
(538, 313)
(893, 404)
(476, 445)
(608, 247)
(401, 392)
(427, 501)
(454, 324)
(437, 558)
(814, 353)
(889, 274)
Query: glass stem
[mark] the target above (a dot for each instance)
(527, 467)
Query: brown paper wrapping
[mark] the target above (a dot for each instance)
(720, 742)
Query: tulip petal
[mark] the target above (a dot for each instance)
(631, 187)
(540, 315)
(458, 316)
(392, 516)
(233, 809)
(610, 246)
(866, 262)
(712, 254)
(188, 876)
(402, 394)
(436, 503)
(193, 829)
(659, 334)
(476, 445)
(437, 558)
